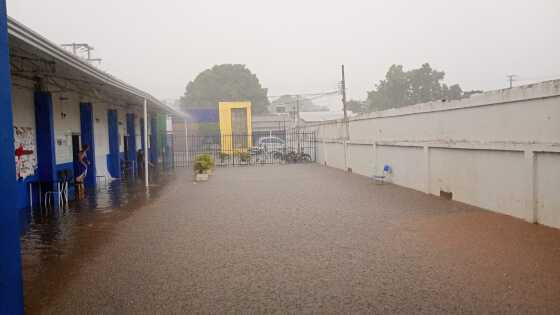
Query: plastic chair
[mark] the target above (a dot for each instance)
(61, 193)
(380, 179)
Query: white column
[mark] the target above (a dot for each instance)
(530, 169)
(146, 165)
(427, 169)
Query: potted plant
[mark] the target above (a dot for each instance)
(210, 161)
(244, 157)
(202, 166)
(223, 158)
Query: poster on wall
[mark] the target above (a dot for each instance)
(63, 146)
(25, 156)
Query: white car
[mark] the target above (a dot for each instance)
(270, 144)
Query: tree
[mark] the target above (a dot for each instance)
(356, 107)
(402, 88)
(226, 82)
(289, 103)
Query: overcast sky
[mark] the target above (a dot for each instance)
(297, 46)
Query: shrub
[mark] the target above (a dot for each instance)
(244, 156)
(203, 163)
(223, 156)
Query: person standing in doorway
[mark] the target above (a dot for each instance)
(82, 170)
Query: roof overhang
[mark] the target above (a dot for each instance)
(23, 36)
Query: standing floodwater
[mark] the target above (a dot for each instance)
(298, 239)
(56, 242)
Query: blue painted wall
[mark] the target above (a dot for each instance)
(131, 131)
(11, 293)
(153, 140)
(86, 127)
(22, 192)
(46, 158)
(203, 115)
(113, 159)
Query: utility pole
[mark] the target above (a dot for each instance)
(297, 123)
(346, 122)
(511, 78)
(76, 47)
(343, 91)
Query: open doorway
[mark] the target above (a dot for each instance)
(125, 142)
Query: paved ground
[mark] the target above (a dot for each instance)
(308, 239)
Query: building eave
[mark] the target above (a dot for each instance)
(35, 40)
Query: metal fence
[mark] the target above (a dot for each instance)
(277, 147)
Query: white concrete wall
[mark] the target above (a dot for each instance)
(121, 123)
(101, 137)
(23, 107)
(360, 158)
(24, 117)
(64, 127)
(499, 150)
(406, 164)
(547, 188)
(485, 178)
(335, 155)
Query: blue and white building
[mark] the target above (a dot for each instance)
(51, 103)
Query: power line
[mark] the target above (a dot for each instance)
(304, 94)
(306, 99)
(82, 47)
(511, 78)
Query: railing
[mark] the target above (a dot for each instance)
(277, 147)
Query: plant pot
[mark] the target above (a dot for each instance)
(201, 177)
(209, 172)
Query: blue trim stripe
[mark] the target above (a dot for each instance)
(203, 115)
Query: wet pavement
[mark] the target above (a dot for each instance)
(56, 240)
(288, 239)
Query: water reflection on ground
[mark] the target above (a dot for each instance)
(65, 236)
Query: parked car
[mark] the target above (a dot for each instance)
(269, 144)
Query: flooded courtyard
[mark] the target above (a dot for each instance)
(285, 238)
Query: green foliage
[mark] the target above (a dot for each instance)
(227, 82)
(223, 156)
(402, 88)
(244, 156)
(203, 162)
(356, 107)
(204, 129)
